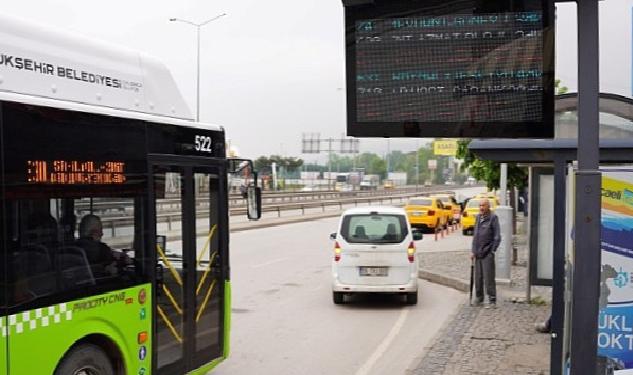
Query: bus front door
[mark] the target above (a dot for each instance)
(191, 256)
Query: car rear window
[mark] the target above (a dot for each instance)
(420, 202)
(446, 200)
(473, 203)
(374, 228)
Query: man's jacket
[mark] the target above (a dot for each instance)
(486, 236)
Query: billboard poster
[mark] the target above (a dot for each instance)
(615, 320)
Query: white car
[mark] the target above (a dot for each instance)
(374, 252)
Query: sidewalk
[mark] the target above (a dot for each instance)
(485, 341)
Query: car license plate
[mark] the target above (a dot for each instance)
(419, 213)
(374, 271)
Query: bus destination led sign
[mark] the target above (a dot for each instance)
(451, 69)
(75, 172)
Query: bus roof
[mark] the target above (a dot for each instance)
(45, 66)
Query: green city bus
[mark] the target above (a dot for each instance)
(114, 218)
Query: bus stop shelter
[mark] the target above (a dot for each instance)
(559, 152)
(616, 147)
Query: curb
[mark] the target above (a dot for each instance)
(451, 282)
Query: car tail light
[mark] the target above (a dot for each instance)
(411, 252)
(337, 252)
(430, 213)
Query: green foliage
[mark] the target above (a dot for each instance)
(263, 164)
(489, 171)
(560, 89)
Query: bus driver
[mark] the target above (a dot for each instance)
(102, 259)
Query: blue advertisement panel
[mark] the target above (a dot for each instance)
(615, 322)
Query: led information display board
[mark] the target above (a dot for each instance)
(450, 69)
(75, 172)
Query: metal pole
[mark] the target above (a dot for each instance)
(198, 78)
(329, 165)
(388, 156)
(198, 26)
(503, 184)
(558, 271)
(586, 273)
(417, 167)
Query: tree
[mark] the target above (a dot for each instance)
(560, 89)
(489, 171)
(263, 164)
(372, 163)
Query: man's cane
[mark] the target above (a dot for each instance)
(472, 266)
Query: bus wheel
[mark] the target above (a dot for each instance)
(85, 359)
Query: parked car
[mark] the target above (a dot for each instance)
(374, 252)
(425, 213)
(471, 211)
(470, 181)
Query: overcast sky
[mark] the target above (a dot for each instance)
(272, 70)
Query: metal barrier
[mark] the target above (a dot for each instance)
(169, 212)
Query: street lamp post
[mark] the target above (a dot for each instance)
(198, 26)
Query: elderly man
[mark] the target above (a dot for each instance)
(486, 239)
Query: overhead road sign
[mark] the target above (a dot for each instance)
(450, 69)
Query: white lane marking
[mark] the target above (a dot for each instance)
(384, 345)
(269, 263)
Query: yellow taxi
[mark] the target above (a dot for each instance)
(450, 204)
(472, 210)
(447, 208)
(425, 212)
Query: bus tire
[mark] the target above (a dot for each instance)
(337, 298)
(85, 358)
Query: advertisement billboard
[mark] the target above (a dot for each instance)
(615, 322)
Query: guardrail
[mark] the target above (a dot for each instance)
(173, 214)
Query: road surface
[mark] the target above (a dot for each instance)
(284, 321)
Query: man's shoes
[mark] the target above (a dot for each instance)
(491, 305)
(478, 303)
(542, 327)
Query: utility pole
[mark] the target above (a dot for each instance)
(586, 270)
(197, 26)
(311, 144)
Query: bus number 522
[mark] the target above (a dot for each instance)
(203, 143)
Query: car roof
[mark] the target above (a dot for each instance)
(379, 209)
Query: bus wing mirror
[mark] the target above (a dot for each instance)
(254, 202)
